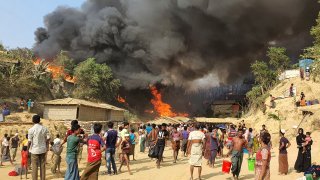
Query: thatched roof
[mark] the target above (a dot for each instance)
(80, 102)
(216, 120)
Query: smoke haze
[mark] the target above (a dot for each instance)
(188, 43)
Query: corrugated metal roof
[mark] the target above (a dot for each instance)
(73, 101)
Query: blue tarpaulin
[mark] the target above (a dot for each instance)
(303, 63)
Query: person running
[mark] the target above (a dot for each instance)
(95, 147)
(111, 138)
(196, 141)
(132, 143)
(176, 137)
(237, 153)
(24, 161)
(125, 151)
(283, 153)
(73, 141)
(38, 137)
(14, 145)
(185, 136)
(263, 157)
(160, 143)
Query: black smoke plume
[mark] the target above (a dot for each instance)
(188, 43)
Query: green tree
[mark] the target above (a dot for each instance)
(313, 52)
(264, 76)
(95, 81)
(278, 59)
(256, 97)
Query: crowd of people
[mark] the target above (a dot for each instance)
(197, 141)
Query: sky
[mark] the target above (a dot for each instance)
(20, 18)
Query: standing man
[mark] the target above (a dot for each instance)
(111, 137)
(73, 141)
(14, 146)
(195, 148)
(214, 144)
(95, 148)
(237, 153)
(38, 137)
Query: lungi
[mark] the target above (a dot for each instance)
(236, 159)
(196, 154)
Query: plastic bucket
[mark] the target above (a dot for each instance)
(226, 166)
(251, 164)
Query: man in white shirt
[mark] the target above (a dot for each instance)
(38, 137)
(195, 149)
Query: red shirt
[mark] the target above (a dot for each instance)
(94, 148)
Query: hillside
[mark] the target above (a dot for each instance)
(290, 115)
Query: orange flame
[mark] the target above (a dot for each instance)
(56, 71)
(162, 108)
(120, 99)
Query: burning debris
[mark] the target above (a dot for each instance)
(162, 108)
(189, 43)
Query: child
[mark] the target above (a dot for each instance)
(307, 141)
(125, 148)
(72, 151)
(24, 161)
(56, 151)
(5, 151)
(132, 142)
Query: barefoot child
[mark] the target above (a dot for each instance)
(125, 147)
(24, 161)
(56, 150)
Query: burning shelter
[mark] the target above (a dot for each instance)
(70, 108)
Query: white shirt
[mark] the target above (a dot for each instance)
(56, 141)
(5, 142)
(38, 136)
(196, 135)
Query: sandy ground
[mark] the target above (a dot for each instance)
(145, 169)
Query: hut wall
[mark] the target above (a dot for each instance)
(116, 115)
(92, 114)
(58, 112)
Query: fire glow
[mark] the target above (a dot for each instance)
(57, 71)
(120, 99)
(162, 108)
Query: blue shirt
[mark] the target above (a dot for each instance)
(132, 138)
(148, 129)
(111, 138)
